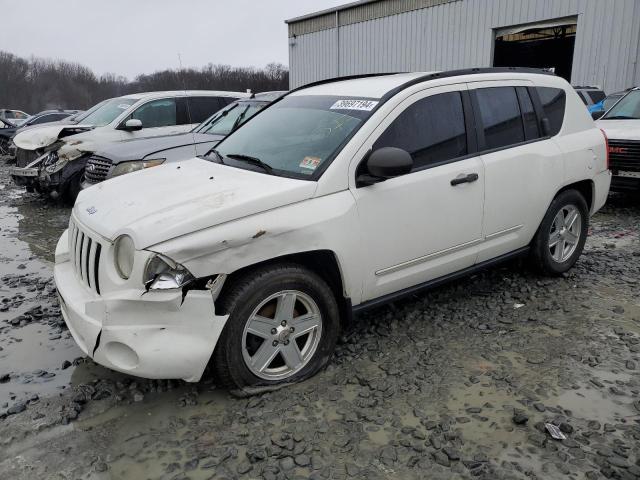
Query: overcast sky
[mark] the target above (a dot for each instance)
(129, 37)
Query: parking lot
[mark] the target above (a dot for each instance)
(455, 383)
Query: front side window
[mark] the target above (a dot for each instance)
(553, 105)
(224, 122)
(500, 116)
(157, 113)
(626, 109)
(432, 130)
(298, 136)
(108, 111)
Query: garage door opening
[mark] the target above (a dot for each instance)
(547, 44)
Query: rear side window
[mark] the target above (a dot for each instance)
(201, 108)
(553, 102)
(500, 116)
(432, 130)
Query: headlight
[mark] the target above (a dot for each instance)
(124, 254)
(50, 162)
(162, 273)
(128, 167)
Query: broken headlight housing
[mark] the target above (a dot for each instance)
(50, 162)
(162, 273)
(128, 167)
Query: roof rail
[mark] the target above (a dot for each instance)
(340, 79)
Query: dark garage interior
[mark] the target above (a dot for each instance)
(539, 47)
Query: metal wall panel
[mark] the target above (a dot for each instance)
(460, 34)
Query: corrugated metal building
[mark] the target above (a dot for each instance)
(589, 42)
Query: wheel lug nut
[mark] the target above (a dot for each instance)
(286, 342)
(283, 323)
(274, 331)
(275, 343)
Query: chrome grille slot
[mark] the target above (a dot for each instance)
(84, 255)
(97, 169)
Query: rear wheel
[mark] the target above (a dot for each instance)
(282, 328)
(562, 233)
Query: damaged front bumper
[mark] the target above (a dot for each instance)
(154, 334)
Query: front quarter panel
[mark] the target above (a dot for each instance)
(322, 223)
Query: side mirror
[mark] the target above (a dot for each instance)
(132, 125)
(597, 115)
(384, 163)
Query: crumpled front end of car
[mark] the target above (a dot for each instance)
(127, 326)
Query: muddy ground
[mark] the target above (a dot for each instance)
(456, 383)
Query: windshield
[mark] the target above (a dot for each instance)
(298, 135)
(108, 111)
(626, 109)
(224, 121)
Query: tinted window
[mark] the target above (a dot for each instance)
(157, 113)
(583, 98)
(596, 95)
(500, 116)
(553, 103)
(531, 130)
(432, 130)
(202, 108)
(49, 118)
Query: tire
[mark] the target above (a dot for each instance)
(548, 254)
(267, 292)
(73, 188)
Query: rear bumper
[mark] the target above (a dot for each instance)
(602, 184)
(152, 335)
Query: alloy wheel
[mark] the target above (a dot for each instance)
(565, 232)
(281, 335)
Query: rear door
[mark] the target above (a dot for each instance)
(522, 166)
(421, 226)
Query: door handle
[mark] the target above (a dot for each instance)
(470, 178)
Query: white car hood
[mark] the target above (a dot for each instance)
(33, 139)
(165, 202)
(620, 129)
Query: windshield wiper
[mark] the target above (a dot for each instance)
(620, 117)
(253, 161)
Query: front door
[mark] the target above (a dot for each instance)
(428, 223)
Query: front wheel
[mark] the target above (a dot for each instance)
(282, 328)
(562, 234)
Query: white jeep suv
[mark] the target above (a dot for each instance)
(338, 197)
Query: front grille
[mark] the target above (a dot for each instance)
(25, 157)
(97, 169)
(84, 254)
(624, 155)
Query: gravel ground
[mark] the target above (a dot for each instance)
(456, 383)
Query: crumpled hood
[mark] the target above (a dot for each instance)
(620, 129)
(165, 202)
(45, 136)
(140, 148)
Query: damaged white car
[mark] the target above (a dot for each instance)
(338, 197)
(52, 159)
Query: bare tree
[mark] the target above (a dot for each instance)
(37, 84)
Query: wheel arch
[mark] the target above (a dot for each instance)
(586, 188)
(323, 262)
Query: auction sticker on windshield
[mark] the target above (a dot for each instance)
(310, 163)
(363, 105)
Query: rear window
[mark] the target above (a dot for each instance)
(553, 105)
(596, 95)
(501, 116)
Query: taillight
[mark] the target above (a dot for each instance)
(606, 147)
